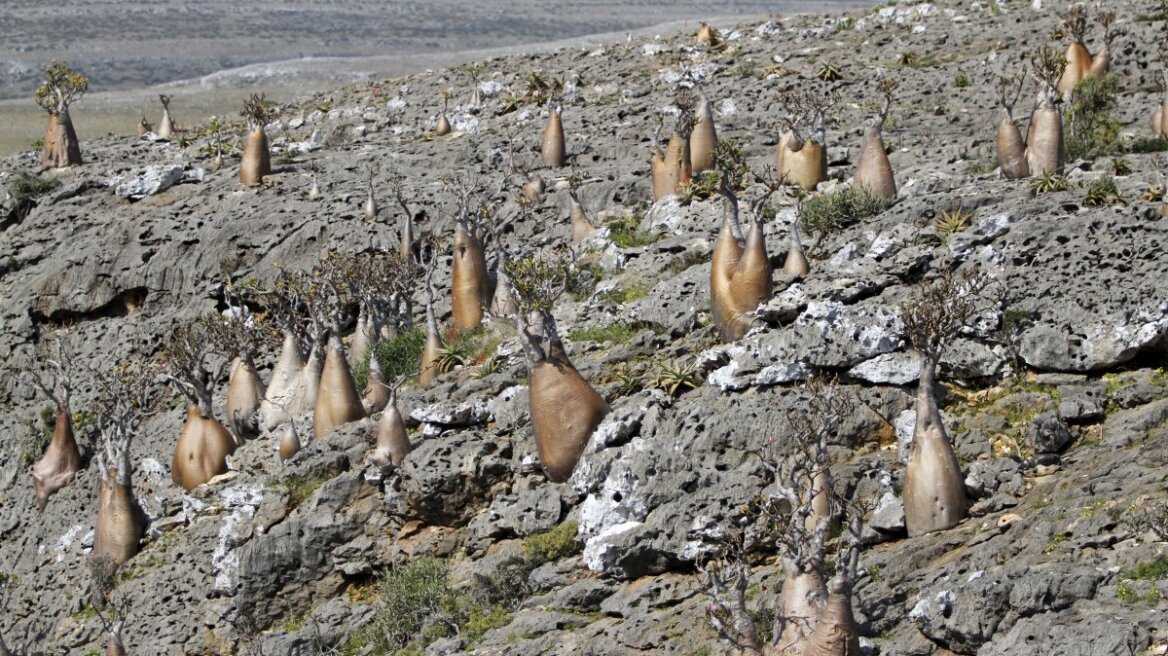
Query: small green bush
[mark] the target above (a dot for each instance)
(1148, 145)
(25, 187)
(1152, 570)
(1092, 130)
(839, 209)
(413, 597)
(701, 187)
(299, 488)
(1103, 192)
(418, 606)
(617, 333)
(584, 281)
(624, 294)
(555, 544)
(398, 356)
(627, 233)
(961, 81)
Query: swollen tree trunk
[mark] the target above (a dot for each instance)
(202, 449)
(874, 172)
(503, 303)
(533, 189)
(257, 158)
(430, 355)
(835, 629)
(1160, 118)
(677, 168)
(443, 127)
(1101, 62)
(796, 263)
(245, 395)
(798, 607)
(406, 246)
(657, 174)
(1044, 142)
(1012, 149)
(428, 370)
(289, 443)
(337, 402)
(393, 445)
(121, 524)
(704, 138)
(166, 125)
(60, 462)
(309, 384)
(1078, 66)
(61, 148)
(934, 490)
(722, 266)
(801, 162)
(278, 399)
(362, 337)
(113, 641)
(581, 227)
(565, 410)
(552, 146)
(821, 504)
(751, 284)
(468, 280)
(376, 392)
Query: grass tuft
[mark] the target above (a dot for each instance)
(832, 212)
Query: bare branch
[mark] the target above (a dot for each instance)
(937, 311)
(125, 396)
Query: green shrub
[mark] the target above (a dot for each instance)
(481, 619)
(413, 598)
(624, 294)
(400, 355)
(617, 333)
(1103, 192)
(557, 543)
(584, 280)
(839, 209)
(1048, 183)
(418, 606)
(961, 81)
(1148, 145)
(701, 187)
(299, 488)
(25, 187)
(627, 233)
(1152, 570)
(1092, 130)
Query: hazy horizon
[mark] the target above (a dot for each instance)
(127, 49)
(133, 44)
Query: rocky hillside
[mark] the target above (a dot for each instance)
(1056, 399)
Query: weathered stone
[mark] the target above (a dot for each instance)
(1082, 402)
(448, 480)
(147, 182)
(529, 510)
(1048, 433)
(1131, 426)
